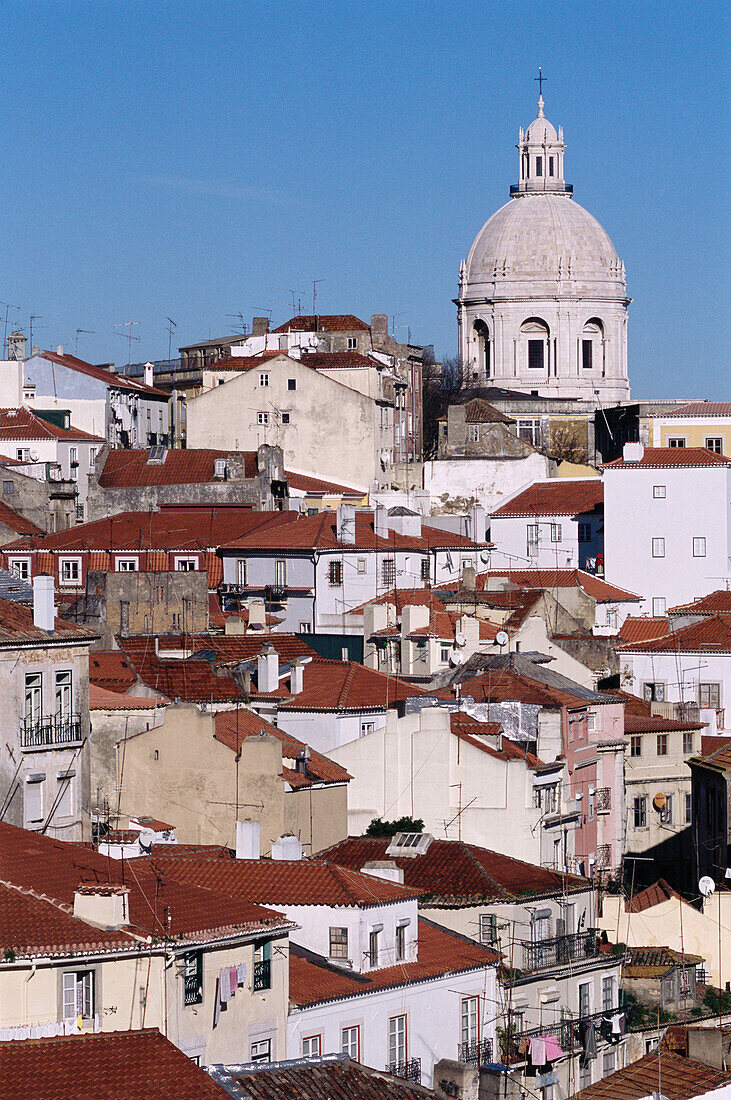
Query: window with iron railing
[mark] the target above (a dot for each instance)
(262, 965)
(409, 1070)
(192, 973)
(543, 954)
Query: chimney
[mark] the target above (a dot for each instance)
(287, 847)
(17, 345)
(149, 374)
(102, 904)
(384, 868)
(44, 612)
(59, 349)
(267, 669)
(478, 527)
(345, 524)
(405, 521)
(633, 452)
(379, 324)
(469, 578)
(380, 521)
(259, 326)
(257, 615)
(414, 617)
(248, 839)
(296, 676)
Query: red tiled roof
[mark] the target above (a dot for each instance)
(711, 743)
(669, 458)
(681, 1079)
(648, 962)
(698, 408)
(15, 522)
(346, 685)
(234, 726)
(656, 894)
(328, 1080)
(22, 423)
(561, 497)
(453, 872)
(124, 469)
(306, 484)
(41, 875)
(478, 411)
(111, 670)
(473, 733)
(594, 586)
(312, 980)
(640, 628)
(715, 603)
(338, 360)
(116, 1065)
(17, 628)
(638, 723)
(719, 756)
(502, 685)
(333, 322)
(244, 362)
(712, 634)
(102, 699)
(116, 381)
(402, 597)
(283, 882)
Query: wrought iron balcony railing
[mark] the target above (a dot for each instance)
(42, 733)
(477, 1053)
(262, 974)
(568, 1031)
(193, 990)
(410, 1070)
(559, 951)
(603, 799)
(275, 593)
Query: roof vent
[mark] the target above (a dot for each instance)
(156, 456)
(633, 452)
(287, 847)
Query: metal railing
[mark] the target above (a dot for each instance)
(275, 593)
(567, 1031)
(410, 1070)
(603, 799)
(262, 974)
(476, 1053)
(192, 990)
(559, 951)
(39, 733)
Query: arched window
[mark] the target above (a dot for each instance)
(590, 347)
(481, 343)
(536, 332)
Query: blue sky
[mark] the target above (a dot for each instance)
(200, 159)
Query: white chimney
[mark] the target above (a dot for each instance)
(248, 839)
(257, 614)
(633, 452)
(44, 613)
(345, 524)
(414, 617)
(380, 521)
(267, 669)
(149, 374)
(383, 868)
(102, 904)
(59, 349)
(477, 524)
(296, 676)
(287, 847)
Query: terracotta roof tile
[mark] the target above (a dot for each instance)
(338, 360)
(111, 670)
(670, 458)
(561, 497)
(478, 411)
(594, 586)
(639, 723)
(698, 408)
(15, 522)
(305, 484)
(640, 628)
(333, 322)
(346, 685)
(318, 532)
(17, 628)
(711, 744)
(327, 1080)
(127, 468)
(234, 726)
(712, 634)
(117, 1065)
(715, 603)
(474, 733)
(244, 362)
(22, 423)
(647, 962)
(102, 699)
(112, 378)
(681, 1079)
(656, 894)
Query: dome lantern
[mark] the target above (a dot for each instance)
(540, 156)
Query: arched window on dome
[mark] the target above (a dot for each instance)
(481, 359)
(591, 345)
(535, 334)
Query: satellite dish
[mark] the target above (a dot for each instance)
(146, 840)
(485, 557)
(659, 802)
(502, 638)
(706, 886)
(455, 657)
(460, 639)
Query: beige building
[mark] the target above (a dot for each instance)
(696, 424)
(203, 772)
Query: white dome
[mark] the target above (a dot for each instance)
(541, 131)
(544, 237)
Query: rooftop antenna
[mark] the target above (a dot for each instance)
(33, 317)
(314, 295)
(171, 326)
(129, 337)
(242, 323)
(286, 290)
(403, 313)
(88, 331)
(8, 307)
(263, 309)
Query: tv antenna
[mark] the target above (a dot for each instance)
(242, 323)
(128, 336)
(403, 313)
(33, 317)
(286, 290)
(314, 295)
(172, 325)
(263, 309)
(8, 307)
(86, 331)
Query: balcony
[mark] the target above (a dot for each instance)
(567, 1031)
(559, 951)
(410, 1070)
(603, 800)
(477, 1053)
(192, 990)
(44, 733)
(275, 593)
(262, 975)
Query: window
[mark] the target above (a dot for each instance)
(555, 532)
(186, 565)
(635, 745)
(126, 565)
(584, 999)
(607, 994)
(33, 802)
(8, 488)
(715, 444)
(74, 456)
(78, 995)
(608, 1062)
(662, 744)
(263, 379)
(584, 532)
(445, 652)
(470, 1019)
(396, 1040)
(388, 572)
(70, 570)
(20, 567)
(699, 548)
(535, 354)
(338, 943)
(305, 627)
(653, 691)
(676, 441)
(488, 928)
(424, 569)
(335, 574)
(33, 707)
(550, 165)
(285, 418)
(373, 946)
(659, 492)
(350, 1042)
(666, 813)
(261, 1051)
(352, 343)
(612, 618)
(658, 606)
(400, 942)
(262, 418)
(688, 741)
(262, 965)
(539, 166)
(311, 1046)
(361, 565)
(192, 974)
(709, 696)
(639, 810)
(63, 694)
(241, 572)
(280, 572)
(23, 454)
(529, 431)
(365, 727)
(291, 383)
(587, 349)
(658, 548)
(688, 808)
(79, 513)
(531, 535)
(473, 433)
(92, 456)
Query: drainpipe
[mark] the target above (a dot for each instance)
(25, 992)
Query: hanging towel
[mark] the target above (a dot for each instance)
(233, 979)
(538, 1052)
(217, 1002)
(241, 973)
(553, 1048)
(224, 981)
(588, 1042)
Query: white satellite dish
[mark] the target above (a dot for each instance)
(460, 639)
(485, 557)
(706, 886)
(146, 839)
(502, 638)
(455, 657)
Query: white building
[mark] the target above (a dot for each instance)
(542, 303)
(667, 531)
(555, 524)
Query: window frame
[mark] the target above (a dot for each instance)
(714, 443)
(677, 441)
(341, 944)
(316, 1039)
(662, 744)
(658, 547)
(536, 350)
(265, 1056)
(398, 1039)
(335, 573)
(262, 419)
(346, 1044)
(639, 811)
(635, 743)
(699, 546)
(186, 563)
(192, 967)
(23, 573)
(127, 564)
(83, 977)
(70, 582)
(388, 572)
(587, 353)
(659, 492)
(263, 378)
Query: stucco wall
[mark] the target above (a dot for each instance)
(456, 484)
